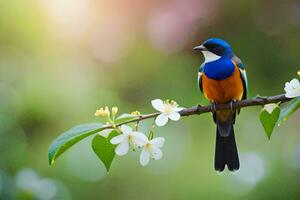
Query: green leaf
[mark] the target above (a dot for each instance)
(71, 137)
(104, 149)
(125, 117)
(269, 120)
(288, 110)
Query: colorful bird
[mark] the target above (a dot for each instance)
(222, 79)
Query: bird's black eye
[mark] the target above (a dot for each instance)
(215, 48)
(211, 46)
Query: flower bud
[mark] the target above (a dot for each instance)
(100, 112)
(298, 73)
(136, 113)
(106, 111)
(114, 110)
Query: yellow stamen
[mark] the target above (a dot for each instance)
(148, 145)
(169, 108)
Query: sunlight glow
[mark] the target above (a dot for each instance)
(71, 17)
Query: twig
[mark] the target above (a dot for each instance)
(197, 110)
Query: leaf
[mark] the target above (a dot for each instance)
(125, 117)
(269, 118)
(288, 110)
(104, 149)
(71, 137)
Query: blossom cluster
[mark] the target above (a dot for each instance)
(134, 139)
(130, 138)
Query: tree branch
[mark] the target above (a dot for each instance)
(236, 105)
(197, 110)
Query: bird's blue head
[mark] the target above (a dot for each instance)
(215, 47)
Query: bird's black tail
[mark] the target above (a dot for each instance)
(226, 152)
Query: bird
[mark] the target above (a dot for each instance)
(222, 79)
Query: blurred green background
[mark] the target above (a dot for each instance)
(60, 60)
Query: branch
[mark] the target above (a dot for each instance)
(74, 135)
(236, 105)
(197, 110)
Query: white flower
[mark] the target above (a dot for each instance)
(105, 133)
(169, 110)
(292, 88)
(127, 138)
(151, 149)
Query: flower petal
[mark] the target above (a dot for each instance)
(158, 104)
(144, 157)
(105, 133)
(161, 120)
(126, 129)
(292, 95)
(178, 109)
(287, 87)
(122, 148)
(175, 116)
(139, 139)
(156, 153)
(295, 83)
(118, 139)
(158, 142)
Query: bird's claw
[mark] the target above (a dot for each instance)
(213, 107)
(231, 105)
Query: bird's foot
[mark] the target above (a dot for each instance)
(213, 107)
(231, 105)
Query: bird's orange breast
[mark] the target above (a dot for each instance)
(223, 91)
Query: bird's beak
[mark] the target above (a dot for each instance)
(200, 48)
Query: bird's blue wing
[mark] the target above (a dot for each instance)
(242, 69)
